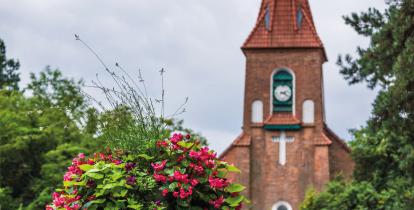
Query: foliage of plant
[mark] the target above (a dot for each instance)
(184, 175)
(9, 78)
(383, 149)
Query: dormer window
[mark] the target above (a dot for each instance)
(267, 18)
(299, 17)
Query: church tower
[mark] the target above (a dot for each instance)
(285, 147)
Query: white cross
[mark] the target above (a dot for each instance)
(282, 139)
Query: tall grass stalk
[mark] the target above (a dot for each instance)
(131, 122)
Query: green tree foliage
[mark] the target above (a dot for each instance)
(384, 149)
(9, 78)
(39, 134)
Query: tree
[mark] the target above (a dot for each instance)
(32, 128)
(383, 149)
(9, 78)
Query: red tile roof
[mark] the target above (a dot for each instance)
(282, 119)
(284, 31)
(243, 140)
(323, 141)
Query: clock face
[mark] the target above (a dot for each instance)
(283, 93)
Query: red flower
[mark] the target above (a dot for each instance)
(160, 178)
(184, 194)
(217, 182)
(217, 203)
(165, 192)
(159, 167)
(90, 162)
(176, 138)
(175, 194)
(180, 158)
(194, 182)
(194, 155)
(199, 169)
(209, 163)
(180, 177)
(162, 143)
(117, 162)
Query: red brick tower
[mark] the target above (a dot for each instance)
(285, 147)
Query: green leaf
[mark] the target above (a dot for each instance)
(98, 201)
(232, 188)
(172, 186)
(86, 167)
(186, 145)
(235, 201)
(68, 183)
(232, 168)
(135, 206)
(95, 175)
(146, 157)
(222, 173)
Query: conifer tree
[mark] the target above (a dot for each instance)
(383, 150)
(9, 78)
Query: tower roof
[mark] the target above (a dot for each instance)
(284, 24)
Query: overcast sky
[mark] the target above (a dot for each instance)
(196, 41)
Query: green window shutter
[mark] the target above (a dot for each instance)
(282, 77)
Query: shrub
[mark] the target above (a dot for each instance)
(183, 175)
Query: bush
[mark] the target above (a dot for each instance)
(183, 175)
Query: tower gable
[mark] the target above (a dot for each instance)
(284, 24)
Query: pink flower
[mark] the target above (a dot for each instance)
(117, 162)
(194, 182)
(76, 206)
(159, 167)
(194, 155)
(90, 162)
(160, 178)
(176, 138)
(162, 143)
(81, 155)
(209, 163)
(164, 192)
(199, 169)
(217, 182)
(184, 194)
(180, 177)
(68, 176)
(217, 203)
(175, 194)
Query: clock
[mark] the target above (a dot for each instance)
(283, 93)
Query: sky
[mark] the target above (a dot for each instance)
(197, 42)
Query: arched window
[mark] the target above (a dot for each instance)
(282, 205)
(308, 112)
(257, 111)
(283, 91)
